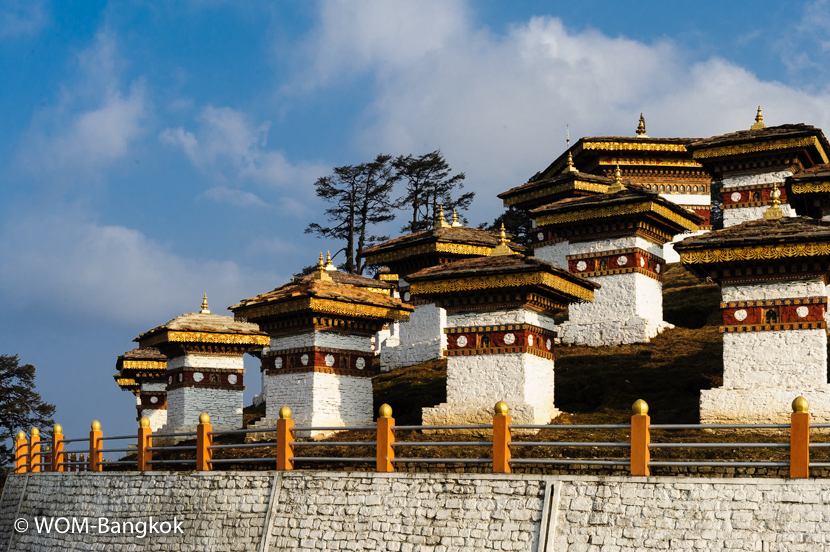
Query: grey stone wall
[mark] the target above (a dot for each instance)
(416, 512)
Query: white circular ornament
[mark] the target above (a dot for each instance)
(197, 376)
(278, 362)
(540, 236)
(406, 296)
(530, 340)
(169, 380)
(181, 377)
(360, 363)
(548, 344)
(329, 360)
(304, 359)
(642, 262)
(736, 196)
(154, 400)
(581, 265)
(622, 260)
(509, 339)
(232, 379)
(740, 315)
(802, 311)
(657, 269)
(461, 341)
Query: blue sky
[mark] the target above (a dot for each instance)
(152, 152)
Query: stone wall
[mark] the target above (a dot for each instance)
(157, 417)
(305, 511)
(186, 404)
(419, 339)
(215, 362)
(327, 339)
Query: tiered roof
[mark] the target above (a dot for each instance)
(139, 365)
(809, 191)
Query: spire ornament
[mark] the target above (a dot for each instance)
(455, 221)
(774, 212)
(641, 128)
(617, 186)
(329, 265)
(570, 167)
(441, 219)
(502, 248)
(205, 308)
(759, 121)
(320, 272)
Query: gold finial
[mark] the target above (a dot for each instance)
(759, 120)
(57, 430)
(501, 408)
(617, 186)
(440, 219)
(320, 270)
(774, 212)
(455, 222)
(204, 418)
(639, 408)
(502, 248)
(35, 432)
(285, 413)
(385, 411)
(96, 425)
(329, 265)
(641, 128)
(144, 422)
(21, 436)
(800, 404)
(570, 167)
(205, 309)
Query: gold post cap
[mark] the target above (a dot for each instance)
(285, 413)
(57, 430)
(205, 309)
(641, 127)
(144, 422)
(21, 436)
(385, 411)
(204, 418)
(35, 432)
(501, 408)
(96, 425)
(800, 404)
(759, 120)
(639, 408)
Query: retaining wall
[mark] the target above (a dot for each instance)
(304, 511)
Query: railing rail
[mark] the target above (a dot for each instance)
(32, 455)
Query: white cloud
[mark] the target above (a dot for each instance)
(497, 106)
(69, 264)
(240, 198)
(22, 17)
(227, 145)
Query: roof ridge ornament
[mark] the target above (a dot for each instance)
(441, 219)
(205, 308)
(455, 221)
(329, 266)
(759, 121)
(641, 127)
(502, 248)
(774, 212)
(570, 167)
(320, 272)
(617, 186)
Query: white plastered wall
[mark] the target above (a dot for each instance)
(419, 339)
(185, 404)
(732, 217)
(216, 362)
(556, 254)
(157, 417)
(764, 371)
(326, 339)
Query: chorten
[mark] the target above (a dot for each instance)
(500, 333)
(809, 192)
(422, 337)
(204, 366)
(773, 274)
(142, 371)
(749, 164)
(319, 358)
(616, 240)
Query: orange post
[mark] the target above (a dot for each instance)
(95, 446)
(145, 441)
(21, 448)
(285, 440)
(385, 438)
(204, 440)
(640, 438)
(57, 449)
(34, 451)
(501, 438)
(800, 439)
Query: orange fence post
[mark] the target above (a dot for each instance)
(640, 438)
(34, 451)
(800, 439)
(501, 438)
(145, 441)
(204, 440)
(57, 449)
(94, 446)
(385, 438)
(285, 440)
(21, 446)
(47, 458)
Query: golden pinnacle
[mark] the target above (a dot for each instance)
(641, 128)
(440, 219)
(385, 411)
(759, 120)
(774, 212)
(285, 413)
(329, 266)
(639, 408)
(205, 309)
(320, 269)
(501, 408)
(617, 186)
(455, 222)
(502, 248)
(570, 167)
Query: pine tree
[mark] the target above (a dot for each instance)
(21, 407)
(361, 197)
(517, 222)
(428, 185)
